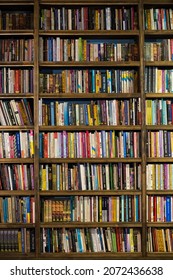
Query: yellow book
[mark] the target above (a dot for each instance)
(96, 20)
(148, 14)
(159, 176)
(31, 142)
(131, 240)
(10, 210)
(100, 209)
(153, 186)
(57, 113)
(90, 120)
(54, 177)
(84, 50)
(53, 210)
(44, 179)
(19, 242)
(49, 210)
(160, 240)
(80, 49)
(68, 211)
(152, 144)
(45, 211)
(148, 112)
(97, 82)
(158, 208)
(159, 81)
(114, 209)
(63, 81)
(95, 114)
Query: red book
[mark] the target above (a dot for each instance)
(45, 145)
(118, 239)
(17, 81)
(155, 208)
(88, 144)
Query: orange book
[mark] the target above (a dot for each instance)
(17, 81)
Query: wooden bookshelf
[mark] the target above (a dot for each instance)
(93, 81)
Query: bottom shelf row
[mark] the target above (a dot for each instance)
(86, 240)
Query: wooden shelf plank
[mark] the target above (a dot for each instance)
(17, 192)
(87, 64)
(91, 193)
(84, 128)
(89, 160)
(86, 33)
(90, 95)
(90, 224)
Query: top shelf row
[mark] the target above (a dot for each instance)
(100, 18)
(84, 2)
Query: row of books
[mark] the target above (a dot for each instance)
(89, 81)
(158, 19)
(158, 80)
(17, 144)
(159, 111)
(17, 209)
(16, 176)
(87, 176)
(16, 80)
(16, 49)
(160, 143)
(90, 240)
(16, 112)
(17, 240)
(97, 144)
(15, 19)
(160, 240)
(159, 50)
(159, 176)
(159, 208)
(124, 208)
(99, 112)
(92, 18)
(57, 49)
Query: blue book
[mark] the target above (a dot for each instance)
(23, 231)
(48, 240)
(118, 83)
(18, 146)
(79, 241)
(104, 84)
(137, 208)
(169, 143)
(127, 208)
(66, 108)
(122, 208)
(93, 76)
(5, 210)
(86, 115)
(110, 144)
(125, 143)
(52, 113)
(126, 115)
(28, 209)
(164, 113)
(70, 113)
(96, 184)
(24, 209)
(168, 209)
(40, 145)
(103, 142)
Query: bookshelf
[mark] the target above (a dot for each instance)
(86, 129)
